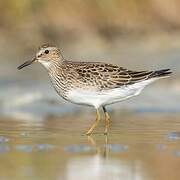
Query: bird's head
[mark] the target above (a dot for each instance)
(46, 55)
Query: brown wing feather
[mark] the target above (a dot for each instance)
(107, 76)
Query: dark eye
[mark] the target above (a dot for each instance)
(46, 51)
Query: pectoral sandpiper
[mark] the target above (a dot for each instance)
(94, 84)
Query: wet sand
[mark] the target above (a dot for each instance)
(139, 146)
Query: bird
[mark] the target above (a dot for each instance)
(95, 84)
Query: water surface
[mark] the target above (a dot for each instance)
(138, 147)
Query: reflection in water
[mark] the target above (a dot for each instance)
(95, 167)
(100, 166)
(101, 150)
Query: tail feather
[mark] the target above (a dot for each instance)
(160, 73)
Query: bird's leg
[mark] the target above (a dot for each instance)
(107, 121)
(89, 132)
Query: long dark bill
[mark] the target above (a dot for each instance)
(27, 63)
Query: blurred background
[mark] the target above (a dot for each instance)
(137, 34)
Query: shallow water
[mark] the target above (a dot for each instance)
(138, 147)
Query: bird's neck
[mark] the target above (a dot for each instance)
(54, 65)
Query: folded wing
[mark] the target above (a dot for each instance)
(108, 76)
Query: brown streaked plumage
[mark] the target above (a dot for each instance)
(92, 83)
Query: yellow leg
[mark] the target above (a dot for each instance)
(89, 132)
(107, 121)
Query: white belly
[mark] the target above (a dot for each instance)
(100, 98)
